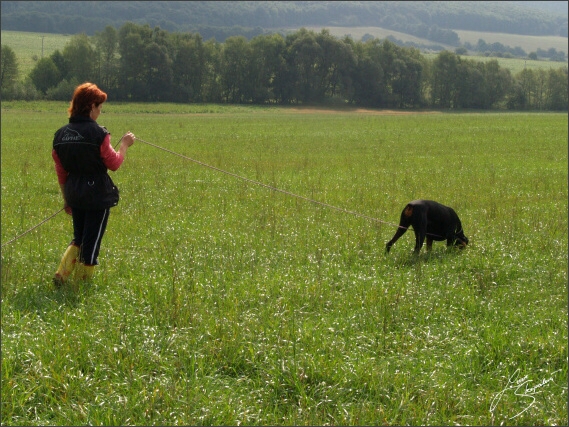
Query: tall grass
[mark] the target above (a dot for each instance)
(221, 302)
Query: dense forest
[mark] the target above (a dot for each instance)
(433, 20)
(141, 63)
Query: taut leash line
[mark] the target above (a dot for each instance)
(270, 187)
(32, 229)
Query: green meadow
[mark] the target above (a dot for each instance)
(515, 65)
(526, 42)
(28, 47)
(219, 301)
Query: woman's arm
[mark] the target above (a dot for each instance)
(111, 158)
(61, 172)
(61, 178)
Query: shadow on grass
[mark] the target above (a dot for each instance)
(433, 257)
(45, 297)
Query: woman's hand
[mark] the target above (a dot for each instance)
(128, 139)
(66, 207)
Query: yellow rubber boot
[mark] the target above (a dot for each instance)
(84, 273)
(67, 265)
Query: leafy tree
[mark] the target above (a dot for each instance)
(235, 70)
(527, 82)
(23, 90)
(557, 89)
(318, 66)
(482, 46)
(516, 99)
(9, 68)
(369, 88)
(60, 63)
(389, 57)
(540, 89)
(497, 83)
(266, 61)
(407, 78)
(63, 91)
(303, 53)
(158, 73)
(284, 81)
(188, 66)
(145, 63)
(132, 43)
(403, 75)
(212, 88)
(45, 75)
(336, 64)
(444, 83)
(79, 58)
(469, 85)
(443, 36)
(106, 53)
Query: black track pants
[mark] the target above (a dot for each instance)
(88, 229)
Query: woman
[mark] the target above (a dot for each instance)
(83, 154)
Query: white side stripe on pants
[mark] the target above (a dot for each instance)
(99, 235)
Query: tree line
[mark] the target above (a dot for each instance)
(144, 64)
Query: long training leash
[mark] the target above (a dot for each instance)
(32, 229)
(270, 187)
(288, 193)
(251, 181)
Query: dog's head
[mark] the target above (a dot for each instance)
(460, 240)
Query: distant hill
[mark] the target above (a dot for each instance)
(432, 20)
(527, 43)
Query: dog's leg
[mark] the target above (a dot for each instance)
(419, 240)
(429, 244)
(400, 232)
(404, 223)
(420, 231)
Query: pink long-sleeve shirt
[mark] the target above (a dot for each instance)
(111, 158)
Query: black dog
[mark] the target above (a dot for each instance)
(431, 220)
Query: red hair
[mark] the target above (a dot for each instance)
(84, 97)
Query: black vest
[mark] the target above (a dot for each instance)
(78, 146)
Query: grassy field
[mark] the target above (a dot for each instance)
(28, 46)
(515, 65)
(528, 43)
(218, 301)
